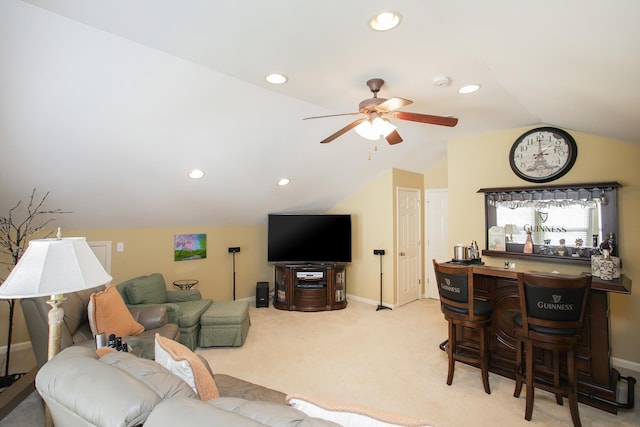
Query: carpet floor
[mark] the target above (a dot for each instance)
(386, 359)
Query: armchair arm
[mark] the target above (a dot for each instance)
(151, 316)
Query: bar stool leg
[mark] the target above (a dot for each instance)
(573, 393)
(530, 380)
(519, 369)
(484, 360)
(451, 350)
(556, 375)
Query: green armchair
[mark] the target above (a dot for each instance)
(184, 308)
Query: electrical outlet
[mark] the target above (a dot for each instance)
(378, 251)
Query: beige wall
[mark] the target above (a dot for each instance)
(437, 177)
(372, 214)
(484, 160)
(149, 250)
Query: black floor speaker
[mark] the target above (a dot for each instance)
(262, 294)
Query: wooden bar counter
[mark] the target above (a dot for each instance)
(598, 380)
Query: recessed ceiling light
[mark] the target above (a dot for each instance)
(283, 182)
(385, 21)
(196, 174)
(469, 88)
(276, 78)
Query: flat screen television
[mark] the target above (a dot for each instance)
(309, 238)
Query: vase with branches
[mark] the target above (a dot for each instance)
(16, 228)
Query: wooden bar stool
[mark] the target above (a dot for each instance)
(552, 310)
(463, 311)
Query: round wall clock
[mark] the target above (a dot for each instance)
(543, 154)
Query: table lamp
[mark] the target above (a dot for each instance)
(511, 229)
(54, 267)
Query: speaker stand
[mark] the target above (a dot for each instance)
(233, 252)
(380, 252)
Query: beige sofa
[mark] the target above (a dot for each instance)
(76, 330)
(120, 389)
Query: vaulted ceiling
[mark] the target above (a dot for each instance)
(107, 104)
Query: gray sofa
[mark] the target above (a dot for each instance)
(184, 308)
(76, 330)
(120, 389)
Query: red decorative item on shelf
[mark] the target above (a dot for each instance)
(528, 244)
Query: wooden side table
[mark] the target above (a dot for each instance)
(185, 284)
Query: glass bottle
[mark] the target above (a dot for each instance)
(528, 244)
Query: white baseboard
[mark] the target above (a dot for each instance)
(26, 345)
(626, 364)
(367, 301)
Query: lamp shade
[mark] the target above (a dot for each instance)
(511, 229)
(54, 266)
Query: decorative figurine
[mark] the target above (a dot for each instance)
(562, 249)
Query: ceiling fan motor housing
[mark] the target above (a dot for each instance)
(369, 105)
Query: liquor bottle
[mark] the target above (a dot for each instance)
(528, 244)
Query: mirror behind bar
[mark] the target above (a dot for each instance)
(582, 215)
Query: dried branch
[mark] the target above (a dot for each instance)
(14, 234)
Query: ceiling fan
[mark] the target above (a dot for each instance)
(372, 124)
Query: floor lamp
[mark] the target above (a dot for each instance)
(233, 251)
(381, 253)
(54, 267)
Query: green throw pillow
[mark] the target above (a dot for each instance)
(150, 289)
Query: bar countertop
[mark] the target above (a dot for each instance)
(621, 285)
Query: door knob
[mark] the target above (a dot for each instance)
(402, 253)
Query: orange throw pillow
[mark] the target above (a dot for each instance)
(109, 314)
(181, 361)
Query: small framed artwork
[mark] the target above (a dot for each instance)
(189, 246)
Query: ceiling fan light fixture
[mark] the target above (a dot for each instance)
(384, 126)
(374, 129)
(385, 21)
(367, 131)
(276, 78)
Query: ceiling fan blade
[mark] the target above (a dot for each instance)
(393, 104)
(342, 131)
(331, 115)
(394, 138)
(425, 118)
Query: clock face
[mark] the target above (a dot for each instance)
(543, 154)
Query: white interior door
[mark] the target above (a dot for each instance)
(103, 253)
(408, 243)
(437, 238)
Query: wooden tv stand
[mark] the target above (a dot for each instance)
(310, 287)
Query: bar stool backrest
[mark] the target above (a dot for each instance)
(455, 287)
(553, 303)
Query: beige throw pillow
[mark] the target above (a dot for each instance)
(182, 362)
(352, 415)
(109, 314)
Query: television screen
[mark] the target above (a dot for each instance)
(309, 238)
